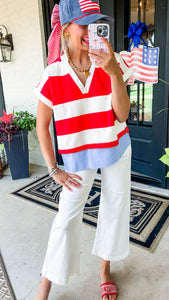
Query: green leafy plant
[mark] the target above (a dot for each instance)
(1, 147)
(24, 120)
(165, 159)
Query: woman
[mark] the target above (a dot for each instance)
(90, 105)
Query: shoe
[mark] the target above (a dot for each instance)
(108, 288)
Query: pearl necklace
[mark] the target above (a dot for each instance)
(85, 72)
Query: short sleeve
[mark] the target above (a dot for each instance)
(43, 90)
(127, 72)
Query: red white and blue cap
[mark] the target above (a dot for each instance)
(82, 12)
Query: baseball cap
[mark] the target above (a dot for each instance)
(82, 12)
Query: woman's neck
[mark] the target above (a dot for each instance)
(81, 67)
(79, 57)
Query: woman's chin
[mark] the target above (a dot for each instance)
(85, 46)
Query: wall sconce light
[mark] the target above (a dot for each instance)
(6, 45)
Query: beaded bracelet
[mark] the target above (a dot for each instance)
(52, 171)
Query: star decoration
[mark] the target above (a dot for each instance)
(6, 118)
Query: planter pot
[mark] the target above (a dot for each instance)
(17, 154)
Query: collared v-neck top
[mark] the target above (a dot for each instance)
(88, 133)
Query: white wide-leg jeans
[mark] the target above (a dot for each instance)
(112, 234)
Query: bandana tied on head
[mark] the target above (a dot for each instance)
(55, 37)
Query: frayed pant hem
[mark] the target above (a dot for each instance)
(58, 281)
(111, 258)
(55, 280)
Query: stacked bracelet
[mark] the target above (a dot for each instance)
(52, 171)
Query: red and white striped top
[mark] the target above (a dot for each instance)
(83, 115)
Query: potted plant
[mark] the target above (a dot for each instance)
(14, 130)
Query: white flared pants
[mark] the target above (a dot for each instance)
(112, 235)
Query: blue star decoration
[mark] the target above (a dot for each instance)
(150, 56)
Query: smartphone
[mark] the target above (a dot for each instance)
(95, 31)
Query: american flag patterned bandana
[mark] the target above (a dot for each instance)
(55, 37)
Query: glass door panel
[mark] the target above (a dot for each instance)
(141, 94)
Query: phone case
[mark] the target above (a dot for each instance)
(95, 32)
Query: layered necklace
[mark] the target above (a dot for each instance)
(85, 72)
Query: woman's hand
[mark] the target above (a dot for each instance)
(67, 179)
(106, 60)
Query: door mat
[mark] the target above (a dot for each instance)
(6, 290)
(148, 214)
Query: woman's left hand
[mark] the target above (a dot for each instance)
(105, 60)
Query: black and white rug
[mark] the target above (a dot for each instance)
(148, 215)
(6, 290)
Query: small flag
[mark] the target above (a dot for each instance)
(144, 61)
(89, 5)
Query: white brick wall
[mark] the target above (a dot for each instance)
(23, 18)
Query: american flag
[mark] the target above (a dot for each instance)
(89, 5)
(144, 61)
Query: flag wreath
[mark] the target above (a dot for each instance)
(143, 59)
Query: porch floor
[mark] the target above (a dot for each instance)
(24, 234)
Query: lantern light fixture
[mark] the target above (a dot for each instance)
(6, 44)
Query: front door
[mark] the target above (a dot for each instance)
(148, 126)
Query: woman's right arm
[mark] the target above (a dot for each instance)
(44, 115)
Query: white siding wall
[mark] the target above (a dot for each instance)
(23, 18)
